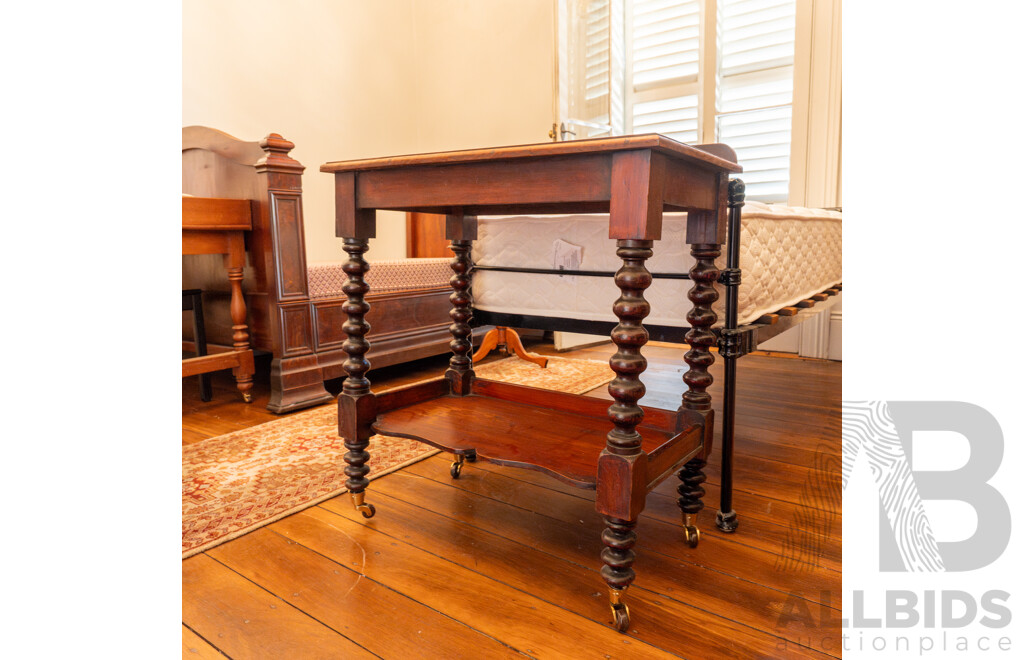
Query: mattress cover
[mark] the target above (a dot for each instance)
(787, 254)
(326, 279)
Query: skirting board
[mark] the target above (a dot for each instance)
(567, 341)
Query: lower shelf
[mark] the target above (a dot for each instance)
(560, 434)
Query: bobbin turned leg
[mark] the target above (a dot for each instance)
(622, 466)
(619, 539)
(696, 399)
(356, 404)
(690, 493)
(461, 230)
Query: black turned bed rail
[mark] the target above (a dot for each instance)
(722, 279)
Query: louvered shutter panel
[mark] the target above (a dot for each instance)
(594, 56)
(666, 42)
(662, 88)
(665, 64)
(597, 51)
(755, 90)
(673, 117)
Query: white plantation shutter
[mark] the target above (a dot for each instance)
(676, 118)
(755, 90)
(594, 60)
(597, 64)
(649, 66)
(665, 64)
(666, 42)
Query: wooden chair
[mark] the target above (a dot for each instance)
(192, 301)
(218, 226)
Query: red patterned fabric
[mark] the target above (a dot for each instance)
(326, 279)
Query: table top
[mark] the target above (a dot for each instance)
(632, 178)
(215, 214)
(658, 143)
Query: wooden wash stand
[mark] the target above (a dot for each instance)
(621, 451)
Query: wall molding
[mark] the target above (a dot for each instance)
(815, 177)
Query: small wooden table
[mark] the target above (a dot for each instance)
(621, 451)
(218, 226)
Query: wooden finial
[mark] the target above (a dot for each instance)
(737, 192)
(277, 144)
(276, 149)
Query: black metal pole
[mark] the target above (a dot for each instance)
(725, 519)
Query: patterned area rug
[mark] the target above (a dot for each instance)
(235, 483)
(562, 374)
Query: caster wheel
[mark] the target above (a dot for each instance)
(369, 511)
(456, 470)
(620, 613)
(247, 397)
(471, 458)
(692, 535)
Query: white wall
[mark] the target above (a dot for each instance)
(483, 72)
(347, 79)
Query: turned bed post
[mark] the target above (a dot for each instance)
(356, 403)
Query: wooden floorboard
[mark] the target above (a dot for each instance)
(504, 562)
(557, 554)
(195, 647)
(361, 608)
(246, 621)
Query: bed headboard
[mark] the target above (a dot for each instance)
(215, 164)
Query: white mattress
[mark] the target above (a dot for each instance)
(787, 254)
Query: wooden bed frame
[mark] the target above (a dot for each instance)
(304, 336)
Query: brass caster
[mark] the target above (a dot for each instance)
(368, 510)
(456, 469)
(620, 611)
(247, 397)
(691, 531)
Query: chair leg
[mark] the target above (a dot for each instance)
(513, 341)
(508, 339)
(488, 344)
(199, 333)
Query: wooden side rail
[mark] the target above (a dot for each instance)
(217, 361)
